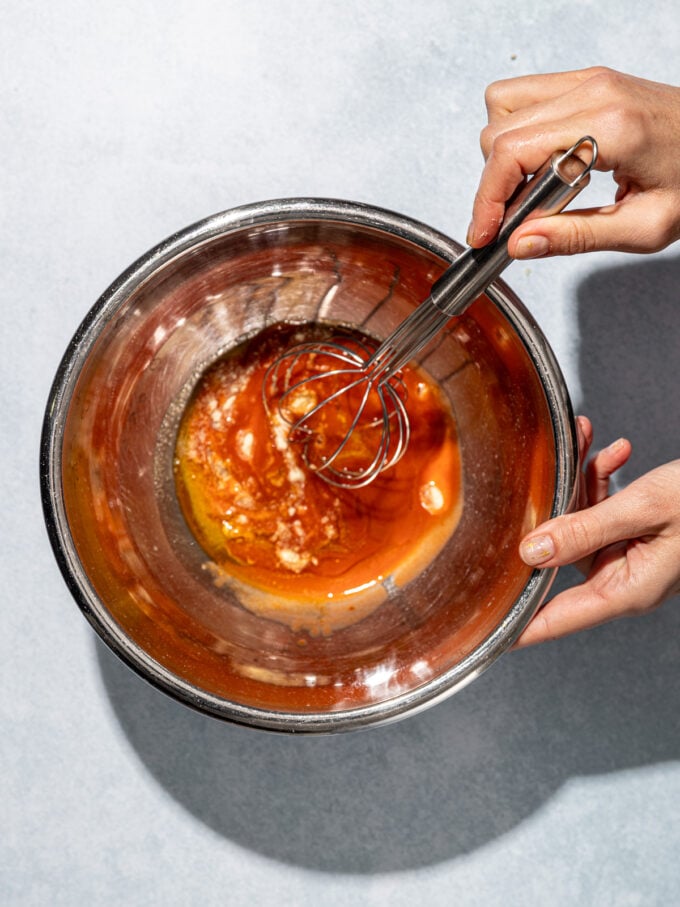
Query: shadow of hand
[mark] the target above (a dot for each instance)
(629, 322)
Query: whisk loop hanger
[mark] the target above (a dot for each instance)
(376, 372)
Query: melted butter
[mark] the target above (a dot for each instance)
(293, 547)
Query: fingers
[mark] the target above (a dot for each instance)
(509, 95)
(637, 224)
(513, 156)
(636, 534)
(572, 537)
(602, 467)
(621, 584)
(645, 508)
(584, 434)
(497, 184)
(580, 607)
(576, 609)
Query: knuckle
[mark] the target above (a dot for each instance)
(640, 607)
(605, 82)
(582, 534)
(592, 72)
(505, 145)
(648, 496)
(542, 628)
(655, 242)
(619, 108)
(578, 237)
(620, 114)
(494, 139)
(493, 94)
(486, 139)
(624, 120)
(648, 242)
(666, 228)
(602, 71)
(645, 599)
(666, 235)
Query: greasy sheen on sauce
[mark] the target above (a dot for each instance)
(297, 548)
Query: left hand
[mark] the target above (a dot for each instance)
(627, 544)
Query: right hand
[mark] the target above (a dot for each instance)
(636, 124)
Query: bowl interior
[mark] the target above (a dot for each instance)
(140, 571)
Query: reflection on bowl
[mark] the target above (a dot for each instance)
(138, 573)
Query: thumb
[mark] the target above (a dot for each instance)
(628, 226)
(574, 536)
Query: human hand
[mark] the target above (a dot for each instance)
(636, 124)
(628, 545)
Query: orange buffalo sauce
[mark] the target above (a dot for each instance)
(294, 547)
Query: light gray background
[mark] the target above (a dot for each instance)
(554, 779)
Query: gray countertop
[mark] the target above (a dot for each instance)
(555, 777)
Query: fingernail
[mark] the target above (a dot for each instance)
(537, 550)
(532, 247)
(616, 445)
(470, 235)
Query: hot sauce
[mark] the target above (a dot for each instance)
(299, 549)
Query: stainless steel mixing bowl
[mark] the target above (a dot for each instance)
(112, 514)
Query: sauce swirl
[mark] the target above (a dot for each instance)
(306, 552)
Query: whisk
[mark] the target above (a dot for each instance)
(349, 445)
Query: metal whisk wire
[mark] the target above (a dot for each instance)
(347, 366)
(339, 360)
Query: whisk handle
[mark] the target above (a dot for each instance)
(551, 188)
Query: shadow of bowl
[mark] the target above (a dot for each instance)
(423, 791)
(448, 781)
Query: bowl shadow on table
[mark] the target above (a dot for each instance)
(447, 781)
